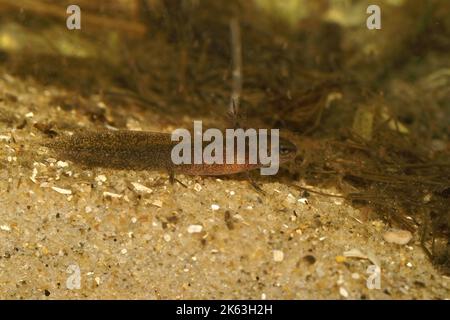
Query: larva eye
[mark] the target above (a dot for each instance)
(286, 147)
(284, 150)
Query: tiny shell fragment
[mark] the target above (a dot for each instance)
(62, 191)
(112, 195)
(356, 253)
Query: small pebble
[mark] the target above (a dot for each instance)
(290, 199)
(141, 188)
(62, 164)
(123, 251)
(5, 138)
(427, 198)
(309, 259)
(167, 237)
(157, 203)
(5, 227)
(34, 174)
(194, 228)
(303, 200)
(278, 255)
(215, 207)
(320, 272)
(343, 292)
(197, 187)
(44, 250)
(400, 237)
(100, 179)
(355, 276)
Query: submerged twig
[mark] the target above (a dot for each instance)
(236, 48)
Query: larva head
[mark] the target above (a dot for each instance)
(287, 150)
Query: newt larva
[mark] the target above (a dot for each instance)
(143, 150)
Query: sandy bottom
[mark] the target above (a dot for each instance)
(68, 232)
